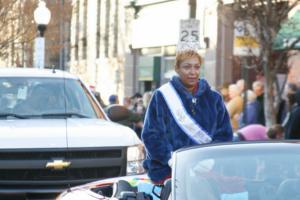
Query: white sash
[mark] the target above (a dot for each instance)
(183, 119)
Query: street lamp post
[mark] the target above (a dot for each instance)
(42, 17)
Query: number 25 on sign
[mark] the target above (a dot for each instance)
(189, 30)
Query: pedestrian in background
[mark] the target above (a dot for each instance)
(252, 132)
(287, 104)
(138, 105)
(113, 99)
(292, 125)
(275, 132)
(146, 98)
(251, 111)
(127, 103)
(183, 112)
(235, 105)
(139, 109)
(97, 96)
(258, 89)
(224, 92)
(241, 84)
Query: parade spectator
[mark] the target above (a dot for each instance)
(136, 97)
(291, 103)
(292, 126)
(235, 105)
(138, 105)
(225, 93)
(251, 111)
(97, 96)
(146, 98)
(258, 89)
(241, 84)
(113, 99)
(275, 132)
(183, 112)
(291, 96)
(252, 132)
(287, 103)
(127, 103)
(99, 99)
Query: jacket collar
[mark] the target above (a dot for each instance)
(202, 87)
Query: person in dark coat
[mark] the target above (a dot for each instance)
(164, 126)
(287, 103)
(292, 126)
(258, 89)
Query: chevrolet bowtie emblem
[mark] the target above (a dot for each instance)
(58, 164)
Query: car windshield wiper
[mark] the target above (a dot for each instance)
(67, 115)
(14, 115)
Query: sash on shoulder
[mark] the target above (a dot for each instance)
(188, 125)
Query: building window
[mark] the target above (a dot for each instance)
(107, 29)
(84, 38)
(98, 32)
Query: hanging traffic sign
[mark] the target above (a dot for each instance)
(189, 35)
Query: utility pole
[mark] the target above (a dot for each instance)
(193, 8)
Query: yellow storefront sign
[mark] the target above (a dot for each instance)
(245, 41)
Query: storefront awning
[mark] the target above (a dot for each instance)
(289, 34)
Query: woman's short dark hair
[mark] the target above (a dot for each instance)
(181, 56)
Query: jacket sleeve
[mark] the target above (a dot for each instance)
(158, 148)
(223, 130)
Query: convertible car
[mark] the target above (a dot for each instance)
(231, 171)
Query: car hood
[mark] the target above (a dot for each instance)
(62, 133)
(95, 132)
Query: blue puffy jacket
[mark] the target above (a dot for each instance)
(161, 134)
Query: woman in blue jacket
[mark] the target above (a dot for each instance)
(181, 113)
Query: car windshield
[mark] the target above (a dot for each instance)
(31, 97)
(244, 174)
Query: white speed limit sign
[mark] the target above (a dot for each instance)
(189, 35)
